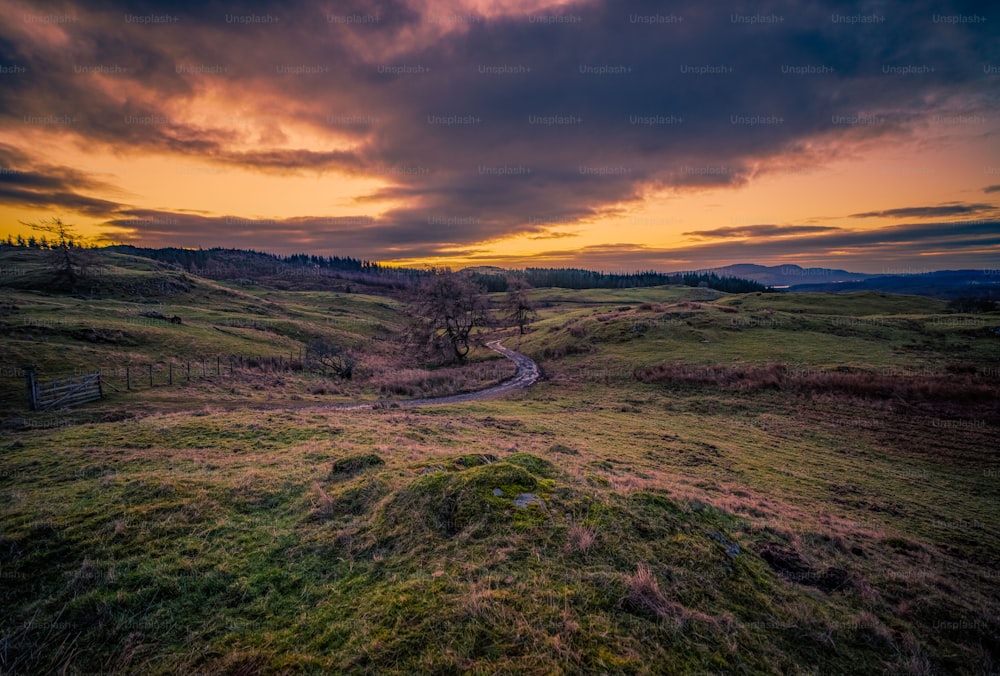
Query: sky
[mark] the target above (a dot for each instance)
(616, 135)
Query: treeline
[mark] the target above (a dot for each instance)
(246, 260)
(296, 271)
(32, 242)
(574, 278)
(241, 264)
(218, 263)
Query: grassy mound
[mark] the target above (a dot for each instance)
(353, 464)
(474, 502)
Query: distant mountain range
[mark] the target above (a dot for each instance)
(946, 284)
(787, 275)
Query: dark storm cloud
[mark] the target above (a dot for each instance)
(940, 211)
(90, 206)
(361, 234)
(502, 125)
(991, 188)
(25, 183)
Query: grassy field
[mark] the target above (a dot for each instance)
(109, 330)
(702, 483)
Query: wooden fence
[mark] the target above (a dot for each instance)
(170, 371)
(175, 371)
(62, 393)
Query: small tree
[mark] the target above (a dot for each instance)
(519, 308)
(328, 356)
(447, 307)
(67, 258)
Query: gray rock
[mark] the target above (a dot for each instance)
(523, 500)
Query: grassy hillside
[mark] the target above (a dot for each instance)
(689, 490)
(109, 329)
(862, 331)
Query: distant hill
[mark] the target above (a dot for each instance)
(786, 275)
(334, 273)
(311, 272)
(945, 284)
(485, 270)
(575, 278)
(297, 272)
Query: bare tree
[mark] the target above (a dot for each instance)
(520, 309)
(448, 306)
(69, 255)
(328, 356)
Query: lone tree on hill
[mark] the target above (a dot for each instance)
(520, 309)
(447, 307)
(68, 254)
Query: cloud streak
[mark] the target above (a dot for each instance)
(941, 211)
(759, 231)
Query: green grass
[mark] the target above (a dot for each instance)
(774, 328)
(682, 528)
(64, 335)
(269, 558)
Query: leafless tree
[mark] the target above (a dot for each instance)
(328, 356)
(520, 309)
(447, 307)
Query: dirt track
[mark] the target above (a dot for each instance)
(526, 375)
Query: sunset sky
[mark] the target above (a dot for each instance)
(609, 134)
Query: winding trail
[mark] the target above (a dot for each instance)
(527, 374)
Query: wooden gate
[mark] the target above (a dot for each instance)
(62, 393)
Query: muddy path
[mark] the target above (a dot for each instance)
(527, 374)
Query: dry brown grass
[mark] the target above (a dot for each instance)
(323, 502)
(644, 596)
(939, 390)
(580, 539)
(418, 382)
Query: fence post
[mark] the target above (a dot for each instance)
(32, 383)
(189, 370)
(128, 379)
(218, 366)
(204, 373)
(150, 375)
(170, 376)
(100, 386)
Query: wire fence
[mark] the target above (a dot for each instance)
(171, 371)
(183, 370)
